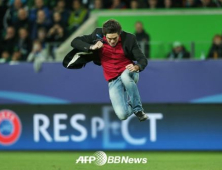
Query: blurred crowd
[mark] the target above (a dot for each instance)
(178, 50)
(29, 28)
(33, 29)
(152, 4)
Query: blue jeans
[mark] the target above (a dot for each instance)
(124, 94)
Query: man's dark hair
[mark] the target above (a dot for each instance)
(112, 26)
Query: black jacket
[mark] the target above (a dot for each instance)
(83, 43)
(215, 52)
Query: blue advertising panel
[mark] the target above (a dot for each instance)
(96, 127)
(161, 82)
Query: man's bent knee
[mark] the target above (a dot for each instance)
(122, 117)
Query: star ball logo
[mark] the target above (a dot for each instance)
(10, 127)
(100, 158)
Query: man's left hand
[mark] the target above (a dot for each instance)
(132, 67)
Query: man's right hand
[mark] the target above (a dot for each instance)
(96, 46)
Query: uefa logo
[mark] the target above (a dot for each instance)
(10, 127)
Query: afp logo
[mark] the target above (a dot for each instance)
(10, 127)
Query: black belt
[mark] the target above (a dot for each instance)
(113, 79)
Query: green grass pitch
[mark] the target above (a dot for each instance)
(67, 161)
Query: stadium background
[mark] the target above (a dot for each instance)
(182, 97)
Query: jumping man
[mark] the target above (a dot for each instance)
(117, 50)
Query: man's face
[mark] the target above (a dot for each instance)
(10, 32)
(39, 3)
(112, 39)
(41, 15)
(178, 49)
(22, 14)
(152, 3)
(23, 33)
(139, 27)
(217, 40)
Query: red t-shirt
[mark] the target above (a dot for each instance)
(113, 60)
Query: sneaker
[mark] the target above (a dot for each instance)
(141, 116)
